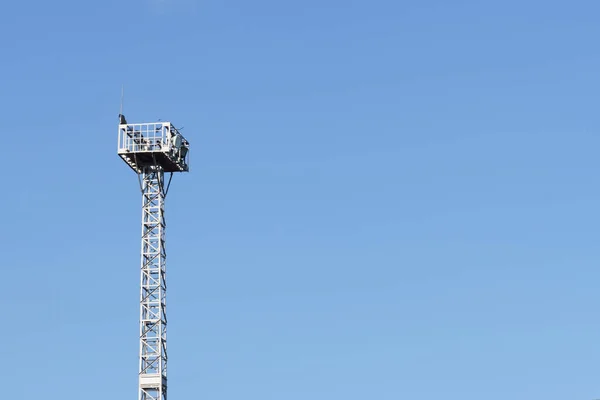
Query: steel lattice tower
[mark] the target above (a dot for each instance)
(151, 150)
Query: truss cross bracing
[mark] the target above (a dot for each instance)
(153, 316)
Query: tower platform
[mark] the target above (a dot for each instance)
(153, 144)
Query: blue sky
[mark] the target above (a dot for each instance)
(388, 200)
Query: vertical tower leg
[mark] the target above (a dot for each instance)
(153, 318)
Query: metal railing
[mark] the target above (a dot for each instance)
(145, 137)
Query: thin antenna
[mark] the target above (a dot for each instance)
(122, 95)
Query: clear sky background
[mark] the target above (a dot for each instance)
(387, 200)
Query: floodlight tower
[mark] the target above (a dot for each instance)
(151, 150)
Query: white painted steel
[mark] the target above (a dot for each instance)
(153, 316)
(139, 146)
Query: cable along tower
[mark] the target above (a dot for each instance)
(153, 150)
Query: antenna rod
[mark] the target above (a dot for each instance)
(122, 95)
